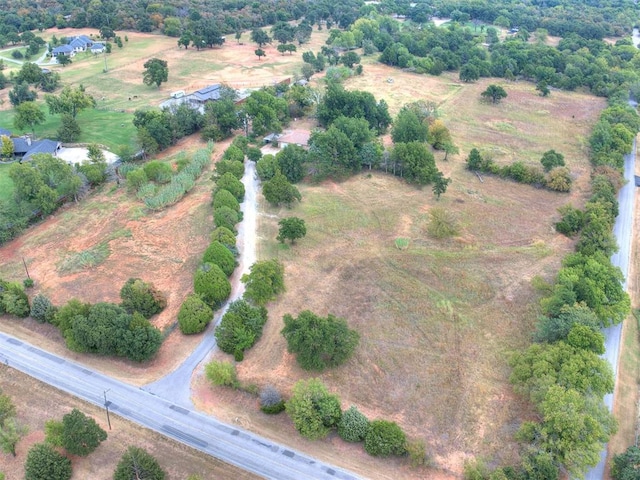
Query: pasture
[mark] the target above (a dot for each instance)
(438, 320)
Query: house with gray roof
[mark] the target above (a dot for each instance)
(80, 43)
(4, 132)
(24, 147)
(63, 50)
(98, 48)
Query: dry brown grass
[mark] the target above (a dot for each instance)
(37, 402)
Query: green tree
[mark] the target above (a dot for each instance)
(279, 191)
(138, 464)
(156, 71)
(495, 93)
(230, 183)
(260, 37)
(142, 297)
(474, 160)
(440, 184)
(69, 129)
(211, 283)
(439, 135)
(266, 111)
(260, 53)
(291, 228)
(224, 198)
(217, 254)
(626, 465)
(64, 60)
(414, 161)
(313, 410)
(21, 93)
(71, 101)
(42, 309)
(349, 59)
(225, 217)
(551, 159)
(240, 328)
(384, 439)
(10, 434)
(552, 329)
(7, 147)
(264, 282)
(81, 435)
(267, 167)
(542, 87)
(353, 425)
(28, 114)
(290, 161)
(7, 408)
(319, 342)
(333, 153)
(45, 463)
(194, 315)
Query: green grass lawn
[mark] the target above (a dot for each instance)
(109, 128)
(6, 185)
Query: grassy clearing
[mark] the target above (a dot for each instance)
(6, 184)
(90, 258)
(37, 403)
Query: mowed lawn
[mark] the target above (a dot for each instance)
(6, 185)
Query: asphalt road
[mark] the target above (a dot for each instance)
(622, 230)
(226, 442)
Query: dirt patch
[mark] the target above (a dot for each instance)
(37, 403)
(162, 247)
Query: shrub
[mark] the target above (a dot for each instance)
(254, 154)
(313, 410)
(157, 171)
(42, 309)
(442, 224)
(384, 439)
(81, 435)
(142, 463)
(416, 450)
(136, 179)
(63, 318)
(224, 198)
(559, 179)
(234, 153)
(353, 425)
(27, 283)
(45, 463)
(212, 285)
(142, 297)
(225, 217)
(319, 342)
(96, 173)
(571, 222)
(146, 191)
(240, 142)
(13, 299)
(194, 315)
(267, 167)
(264, 282)
(220, 255)
(234, 167)
(224, 236)
(221, 374)
(240, 327)
(231, 183)
(271, 401)
(279, 191)
(552, 159)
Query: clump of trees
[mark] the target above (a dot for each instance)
(194, 315)
(240, 328)
(13, 299)
(142, 297)
(264, 282)
(77, 433)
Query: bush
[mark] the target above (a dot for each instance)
(234, 167)
(240, 327)
(27, 283)
(142, 297)
(232, 184)
(267, 167)
(240, 142)
(442, 224)
(254, 154)
(157, 171)
(572, 220)
(224, 198)
(42, 309)
(234, 153)
(136, 179)
(271, 401)
(384, 439)
(13, 299)
(264, 282)
(220, 255)
(224, 236)
(96, 173)
(319, 342)
(279, 191)
(559, 180)
(146, 191)
(417, 453)
(211, 283)
(221, 374)
(142, 463)
(225, 217)
(194, 315)
(313, 410)
(81, 435)
(353, 425)
(44, 463)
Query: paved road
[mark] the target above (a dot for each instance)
(622, 230)
(227, 442)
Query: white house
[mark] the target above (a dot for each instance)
(97, 48)
(63, 50)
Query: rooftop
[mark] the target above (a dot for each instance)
(297, 137)
(212, 92)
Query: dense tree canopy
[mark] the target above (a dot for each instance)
(313, 410)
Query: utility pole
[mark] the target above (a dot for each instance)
(106, 406)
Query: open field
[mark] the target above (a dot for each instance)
(6, 184)
(437, 320)
(37, 403)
